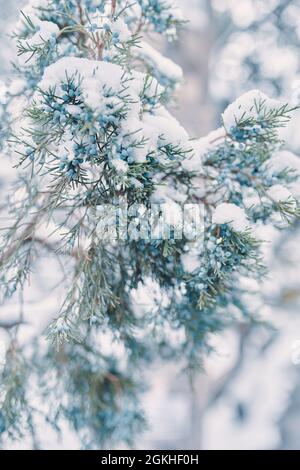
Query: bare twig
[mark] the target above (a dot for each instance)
(113, 7)
(7, 325)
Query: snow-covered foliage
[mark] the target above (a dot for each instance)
(89, 128)
(249, 106)
(230, 214)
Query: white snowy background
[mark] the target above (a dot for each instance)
(249, 397)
